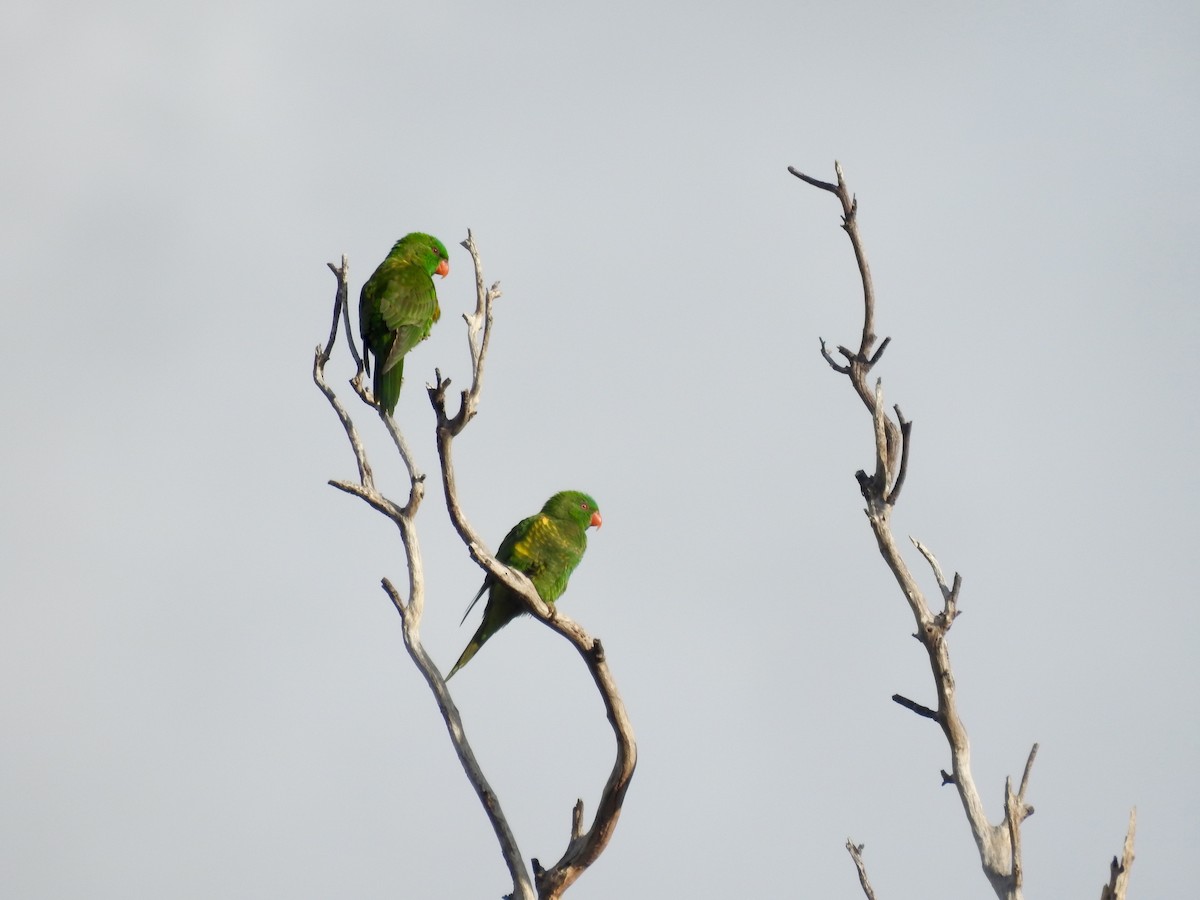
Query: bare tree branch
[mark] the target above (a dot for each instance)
(1025, 778)
(998, 845)
(522, 884)
(1118, 875)
(1016, 811)
(340, 302)
(837, 367)
(949, 612)
(855, 851)
(862, 361)
(479, 332)
(916, 707)
(905, 441)
(411, 610)
(583, 848)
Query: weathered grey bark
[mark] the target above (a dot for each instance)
(999, 845)
(855, 851)
(1118, 874)
(583, 848)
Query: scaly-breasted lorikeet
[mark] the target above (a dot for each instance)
(547, 548)
(397, 308)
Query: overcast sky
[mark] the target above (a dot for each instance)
(203, 690)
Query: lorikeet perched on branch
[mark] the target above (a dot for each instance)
(397, 307)
(547, 548)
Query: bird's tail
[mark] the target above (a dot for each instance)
(386, 385)
(498, 613)
(472, 649)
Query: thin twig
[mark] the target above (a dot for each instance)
(905, 440)
(373, 498)
(1025, 777)
(319, 361)
(950, 609)
(479, 332)
(1118, 872)
(837, 367)
(919, 709)
(340, 302)
(823, 185)
(878, 353)
(856, 855)
(416, 479)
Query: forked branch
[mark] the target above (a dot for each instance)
(998, 845)
(411, 609)
(855, 851)
(583, 847)
(858, 363)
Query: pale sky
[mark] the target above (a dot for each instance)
(204, 693)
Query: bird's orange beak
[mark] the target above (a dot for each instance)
(596, 520)
(443, 268)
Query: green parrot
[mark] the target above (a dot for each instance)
(547, 548)
(397, 308)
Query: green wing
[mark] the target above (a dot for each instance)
(547, 550)
(397, 309)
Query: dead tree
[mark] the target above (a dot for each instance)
(583, 847)
(999, 845)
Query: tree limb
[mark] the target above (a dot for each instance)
(855, 851)
(583, 847)
(1118, 874)
(998, 845)
(862, 361)
(411, 610)
(919, 709)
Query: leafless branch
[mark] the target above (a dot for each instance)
(998, 845)
(410, 610)
(479, 332)
(322, 357)
(949, 613)
(905, 441)
(855, 851)
(1118, 874)
(583, 847)
(1016, 811)
(862, 361)
(522, 884)
(837, 367)
(916, 707)
(340, 301)
(1012, 824)
(1025, 778)
(823, 185)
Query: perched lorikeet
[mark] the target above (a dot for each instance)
(397, 307)
(547, 548)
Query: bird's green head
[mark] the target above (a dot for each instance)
(424, 250)
(575, 506)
